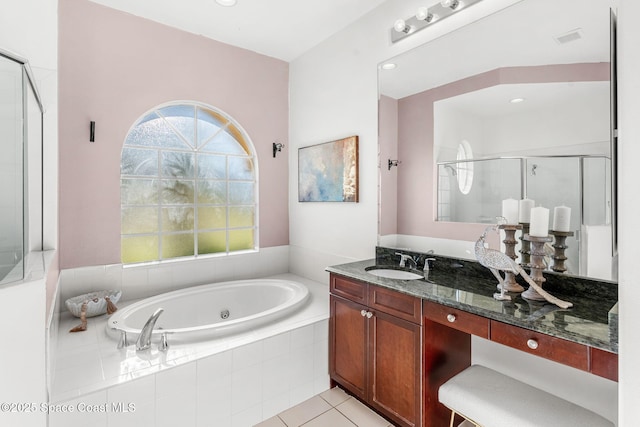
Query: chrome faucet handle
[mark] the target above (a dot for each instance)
(164, 345)
(404, 258)
(426, 264)
(123, 342)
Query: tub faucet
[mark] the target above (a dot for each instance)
(144, 339)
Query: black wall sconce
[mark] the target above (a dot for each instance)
(277, 147)
(393, 163)
(92, 131)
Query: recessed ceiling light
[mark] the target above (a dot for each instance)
(516, 100)
(226, 2)
(388, 66)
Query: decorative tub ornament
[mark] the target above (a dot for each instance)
(99, 302)
(83, 319)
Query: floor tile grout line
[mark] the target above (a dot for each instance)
(308, 421)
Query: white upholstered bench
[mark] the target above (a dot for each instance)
(488, 398)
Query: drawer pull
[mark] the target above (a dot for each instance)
(532, 344)
(363, 312)
(451, 318)
(369, 315)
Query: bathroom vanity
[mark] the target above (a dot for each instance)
(393, 342)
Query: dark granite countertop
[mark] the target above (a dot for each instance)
(467, 286)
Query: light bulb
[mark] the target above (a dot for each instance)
(452, 4)
(423, 14)
(401, 26)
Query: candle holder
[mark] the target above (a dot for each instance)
(510, 284)
(525, 246)
(536, 266)
(559, 246)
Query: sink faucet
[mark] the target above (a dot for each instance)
(144, 340)
(404, 258)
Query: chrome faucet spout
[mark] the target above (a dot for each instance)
(144, 339)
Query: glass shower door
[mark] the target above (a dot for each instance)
(551, 182)
(11, 171)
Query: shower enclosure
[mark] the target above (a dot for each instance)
(473, 190)
(21, 117)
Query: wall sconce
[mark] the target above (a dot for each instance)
(392, 163)
(92, 131)
(277, 147)
(427, 16)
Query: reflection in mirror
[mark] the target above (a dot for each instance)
(515, 105)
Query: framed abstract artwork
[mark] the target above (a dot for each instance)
(328, 172)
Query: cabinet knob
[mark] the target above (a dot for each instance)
(532, 344)
(451, 317)
(363, 312)
(369, 315)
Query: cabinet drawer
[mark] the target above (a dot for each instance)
(348, 288)
(396, 304)
(604, 364)
(556, 349)
(457, 319)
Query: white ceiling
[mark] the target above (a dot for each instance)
(282, 29)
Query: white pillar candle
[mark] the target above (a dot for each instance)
(524, 211)
(562, 218)
(539, 222)
(510, 210)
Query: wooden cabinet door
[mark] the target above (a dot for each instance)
(348, 345)
(395, 368)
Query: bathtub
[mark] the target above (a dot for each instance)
(212, 310)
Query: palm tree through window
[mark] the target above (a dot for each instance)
(188, 185)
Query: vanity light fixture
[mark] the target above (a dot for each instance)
(277, 147)
(426, 16)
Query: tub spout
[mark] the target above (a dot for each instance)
(144, 340)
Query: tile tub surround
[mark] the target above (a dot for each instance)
(468, 286)
(270, 368)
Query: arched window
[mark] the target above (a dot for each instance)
(188, 185)
(464, 169)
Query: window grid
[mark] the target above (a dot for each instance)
(195, 182)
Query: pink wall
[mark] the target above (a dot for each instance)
(388, 143)
(417, 176)
(113, 67)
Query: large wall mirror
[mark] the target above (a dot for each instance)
(516, 105)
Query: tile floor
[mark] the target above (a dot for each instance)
(332, 408)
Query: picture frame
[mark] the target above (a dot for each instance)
(328, 172)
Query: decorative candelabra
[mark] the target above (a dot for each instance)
(510, 284)
(559, 246)
(525, 246)
(536, 265)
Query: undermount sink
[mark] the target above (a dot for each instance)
(393, 273)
